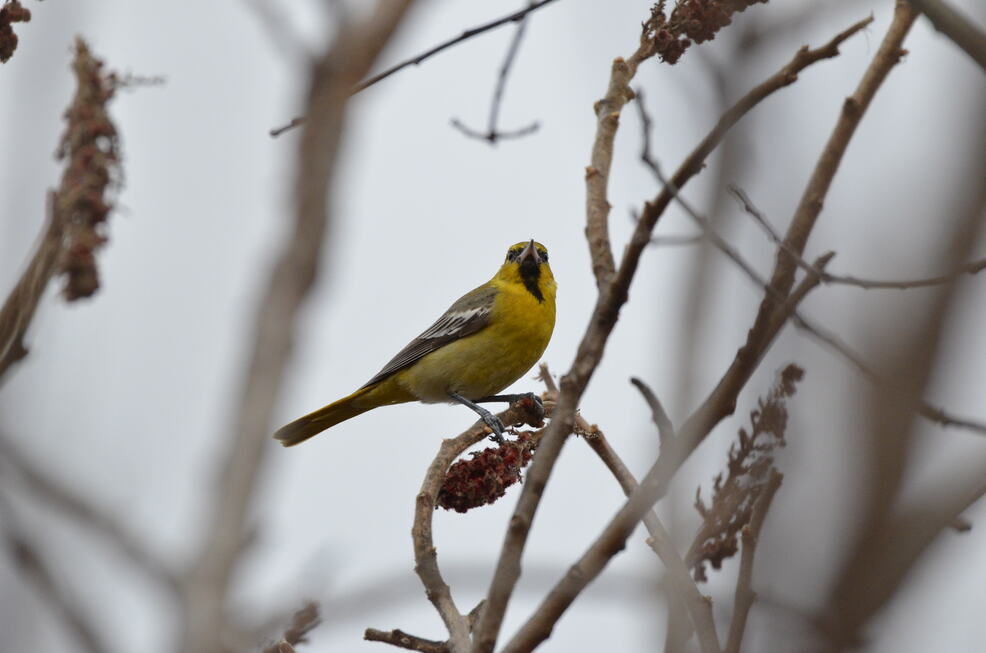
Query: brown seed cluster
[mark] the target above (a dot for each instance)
(750, 464)
(12, 12)
(691, 21)
(90, 146)
(485, 477)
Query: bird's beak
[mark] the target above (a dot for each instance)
(529, 253)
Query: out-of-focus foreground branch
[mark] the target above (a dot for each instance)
(332, 76)
(77, 211)
(963, 32)
(894, 529)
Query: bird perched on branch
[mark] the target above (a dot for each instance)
(484, 342)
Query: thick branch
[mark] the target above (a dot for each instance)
(493, 134)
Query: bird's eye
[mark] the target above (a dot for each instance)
(544, 254)
(512, 255)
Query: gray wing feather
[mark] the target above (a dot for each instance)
(469, 314)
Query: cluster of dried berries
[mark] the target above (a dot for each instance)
(91, 146)
(750, 464)
(12, 12)
(690, 21)
(485, 477)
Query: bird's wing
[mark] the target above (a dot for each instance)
(466, 316)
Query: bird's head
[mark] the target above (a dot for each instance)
(527, 263)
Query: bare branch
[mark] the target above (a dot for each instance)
(332, 76)
(853, 109)
(611, 298)
(427, 54)
(492, 134)
(699, 607)
(816, 271)
(828, 278)
(665, 428)
(404, 640)
(425, 554)
(962, 31)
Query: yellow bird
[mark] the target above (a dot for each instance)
(484, 342)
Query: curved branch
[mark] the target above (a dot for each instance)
(962, 31)
(425, 554)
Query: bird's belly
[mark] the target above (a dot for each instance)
(477, 366)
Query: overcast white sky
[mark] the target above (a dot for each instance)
(128, 396)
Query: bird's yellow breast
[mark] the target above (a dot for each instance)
(489, 360)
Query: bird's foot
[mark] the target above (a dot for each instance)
(495, 425)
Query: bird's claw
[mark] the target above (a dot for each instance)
(495, 425)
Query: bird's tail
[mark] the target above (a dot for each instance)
(314, 423)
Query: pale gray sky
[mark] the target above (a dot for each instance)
(127, 396)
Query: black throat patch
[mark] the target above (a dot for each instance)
(530, 272)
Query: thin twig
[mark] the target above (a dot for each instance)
(207, 582)
(745, 596)
(665, 429)
(427, 54)
(828, 278)
(611, 298)
(962, 31)
(492, 134)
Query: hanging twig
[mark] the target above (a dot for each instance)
(427, 54)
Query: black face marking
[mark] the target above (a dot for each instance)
(530, 272)
(513, 254)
